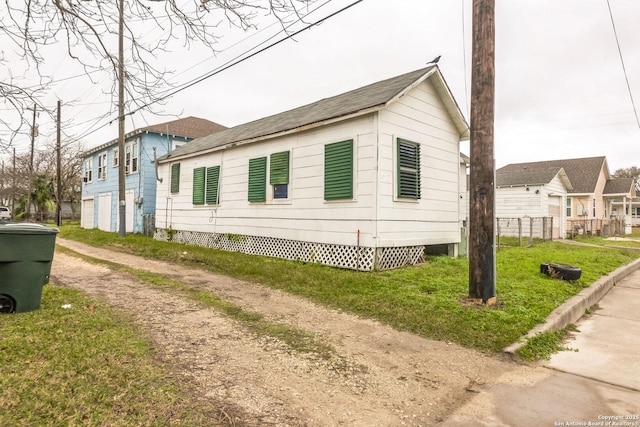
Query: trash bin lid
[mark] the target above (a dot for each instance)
(25, 228)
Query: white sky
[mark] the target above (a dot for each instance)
(560, 87)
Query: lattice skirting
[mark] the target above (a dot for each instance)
(351, 257)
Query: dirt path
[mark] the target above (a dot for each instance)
(380, 377)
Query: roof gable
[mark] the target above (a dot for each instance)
(359, 101)
(582, 173)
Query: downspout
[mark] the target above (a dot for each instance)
(155, 163)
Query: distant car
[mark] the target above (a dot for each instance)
(5, 212)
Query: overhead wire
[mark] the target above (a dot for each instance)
(624, 69)
(238, 61)
(231, 63)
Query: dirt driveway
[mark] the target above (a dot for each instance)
(378, 377)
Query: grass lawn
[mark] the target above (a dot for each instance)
(85, 366)
(90, 366)
(429, 300)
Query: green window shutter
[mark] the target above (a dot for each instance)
(175, 178)
(258, 179)
(338, 170)
(279, 172)
(198, 186)
(408, 167)
(213, 177)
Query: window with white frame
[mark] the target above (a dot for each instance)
(594, 208)
(88, 170)
(569, 207)
(131, 155)
(102, 165)
(116, 157)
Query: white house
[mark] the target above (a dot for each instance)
(596, 202)
(533, 192)
(363, 180)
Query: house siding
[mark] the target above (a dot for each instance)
(420, 116)
(304, 215)
(140, 193)
(598, 195)
(534, 201)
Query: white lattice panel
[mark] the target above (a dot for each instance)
(351, 257)
(396, 257)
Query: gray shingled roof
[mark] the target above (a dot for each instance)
(375, 95)
(528, 176)
(189, 127)
(583, 173)
(618, 186)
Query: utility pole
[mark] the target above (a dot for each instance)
(122, 204)
(58, 171)
(13, 186)
(482, 262)
(34, 131)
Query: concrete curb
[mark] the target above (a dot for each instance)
(575, 307)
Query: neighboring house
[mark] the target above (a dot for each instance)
(590, 204)
(99, 207)
(534, 192)
(633, 209)
(363, 180)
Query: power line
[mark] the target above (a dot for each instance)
(235, 61)
(226, 67)
(624, 69)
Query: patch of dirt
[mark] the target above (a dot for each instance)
(379, 377)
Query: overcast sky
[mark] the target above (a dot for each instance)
(560, 86)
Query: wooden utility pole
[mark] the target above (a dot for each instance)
(122, 204)
(482, 263)
(34, 131)
(58, 170)
(13, 186)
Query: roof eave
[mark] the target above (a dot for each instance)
(369, 110)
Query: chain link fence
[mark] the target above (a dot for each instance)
(595, 227)
(524, 230)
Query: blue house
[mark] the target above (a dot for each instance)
(99, 207)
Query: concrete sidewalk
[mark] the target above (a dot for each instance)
(598, 377)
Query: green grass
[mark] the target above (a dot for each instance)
(544, 344)
(429, 300)
(85, 366)
(611, 241)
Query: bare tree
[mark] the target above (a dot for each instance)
(44, 168)
(89, 30)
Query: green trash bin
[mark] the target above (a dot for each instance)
(26, 253)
